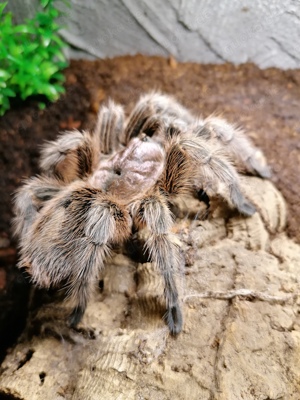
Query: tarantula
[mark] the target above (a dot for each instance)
(96, 186)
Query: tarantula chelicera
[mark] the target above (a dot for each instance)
(95, 187)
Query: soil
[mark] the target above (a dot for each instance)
(264, 102)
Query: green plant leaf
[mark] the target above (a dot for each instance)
(58, 40)
(49, 90)
(4, 74)
(42, 106)
(2, 6)
(59, 77)
(8, 92)
(31, 56)
(48, 68)
(54, 13)
(46, 41)
(14, 59)
(44, 3)
(31, 47)
(24, 29)
(4, 104)
(60, 56)
(28, 92)
(59, 89)
(32, 68)
(6, 24)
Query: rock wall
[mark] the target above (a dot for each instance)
(265, 32)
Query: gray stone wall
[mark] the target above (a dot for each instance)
(266, 32)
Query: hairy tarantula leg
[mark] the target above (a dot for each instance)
(165, 105)
(30, 199)
(154, 212)
(82, 282)
(76, 315)
(69, 240)
(105, 222)
(137, 119)
(236, 142)
(157, 107)
(217, 172)
(110, 127)
(71, 156)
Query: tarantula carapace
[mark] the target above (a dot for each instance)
(95, 187)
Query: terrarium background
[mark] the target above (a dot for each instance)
(265, 32)
(264, 101)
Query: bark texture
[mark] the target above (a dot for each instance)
(241, 337)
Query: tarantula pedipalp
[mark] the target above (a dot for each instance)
(96, 186)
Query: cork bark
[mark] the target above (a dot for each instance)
(241, 336)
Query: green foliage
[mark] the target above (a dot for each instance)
(31, 57)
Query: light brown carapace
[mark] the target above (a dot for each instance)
(96, 186)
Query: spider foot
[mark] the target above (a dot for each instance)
(243, 205)
(75, 316)
(247, 209)
(259, 165)
(173, 318)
